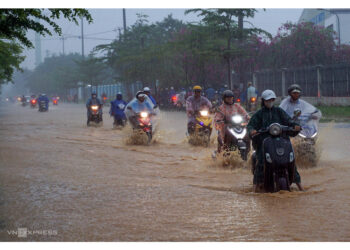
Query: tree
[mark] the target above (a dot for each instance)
(91, 70)
(298, 45)
(225, 25)
(14, 25)
(55, 75)
(10, 59)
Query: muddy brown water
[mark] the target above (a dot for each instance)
(87, 184)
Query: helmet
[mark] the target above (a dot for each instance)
(119, 95)
(294, 88)
(146, 89)
(197, 87)
(227, 93)
(268, 94)
(140, 94)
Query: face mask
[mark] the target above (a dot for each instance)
(269, 104)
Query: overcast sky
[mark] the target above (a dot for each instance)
(107, 21)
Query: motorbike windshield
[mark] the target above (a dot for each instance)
(309, 126)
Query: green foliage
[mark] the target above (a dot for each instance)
(55, 74)
(15, 23)
(10, 59)
(143, 53)
(91, 70)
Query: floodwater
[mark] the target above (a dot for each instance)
(63, 181)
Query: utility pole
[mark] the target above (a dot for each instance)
(82, 37)
(124, 20)
(120, 33)
(63, 44)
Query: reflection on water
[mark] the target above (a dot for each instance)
(89, 185)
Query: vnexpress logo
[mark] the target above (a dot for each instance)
(22, 232)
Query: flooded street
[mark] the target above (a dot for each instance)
(87, 184)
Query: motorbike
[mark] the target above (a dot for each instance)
(144, 124)
(236, 137)
(203, 127)
(252, 104)
(119, 121)
(279, 158)
(42, 106)
(33, 103)
(94, 114)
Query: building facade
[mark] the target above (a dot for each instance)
(336, 19)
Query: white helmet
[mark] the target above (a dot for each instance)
(268, 94)
(146, 89)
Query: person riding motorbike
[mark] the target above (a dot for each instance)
(117, 110)
(93, 101)
(147, 91)
(193, 105)
(24, 100)
(267, 115)
(226, 110)
(293, 102)
(140, 103)
(44, 98)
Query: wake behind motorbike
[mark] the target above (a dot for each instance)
(141, 122)
(236, 137)
(279, 158)
(203, 127)
(95, 115)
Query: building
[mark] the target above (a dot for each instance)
(336, 19)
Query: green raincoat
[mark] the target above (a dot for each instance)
(260, 120)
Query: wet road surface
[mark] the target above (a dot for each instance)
(87, 184)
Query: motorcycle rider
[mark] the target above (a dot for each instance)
(267, 115)
(293, 102)
(141, 102)
(147, 91)
(44, 98)
(23, 100)
(93, 101)
(193, 105)
(226, 110)
(117, 109)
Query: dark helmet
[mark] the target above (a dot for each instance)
(119, 96)
(227, 93)
(93, 94)
(294, 88)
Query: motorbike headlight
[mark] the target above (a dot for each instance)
(314, 135)
(144, 114)
(237, 119)
(204, 112)
(275, 129)
(94, 107)
(302, 135)
(253, 99)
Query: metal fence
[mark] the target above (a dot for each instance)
(331, 80)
